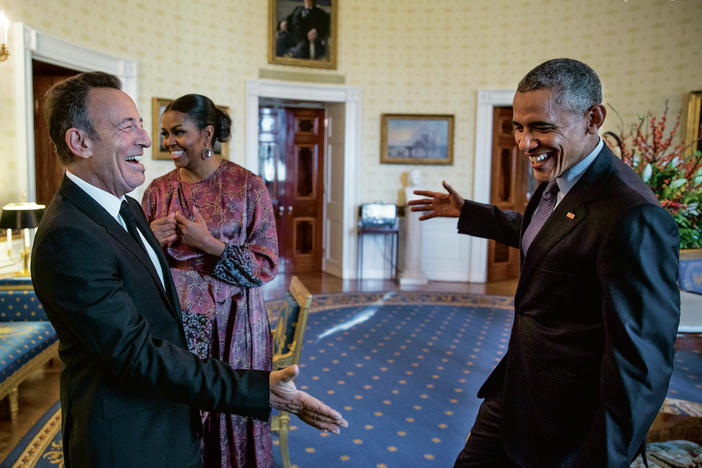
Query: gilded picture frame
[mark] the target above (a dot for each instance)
(158, 105)
(416, 139)
(694, 121)
(291, 40)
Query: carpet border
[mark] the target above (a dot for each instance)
(357, 298)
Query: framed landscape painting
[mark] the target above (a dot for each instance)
(302, 33)
(416, 139)
(158, 105)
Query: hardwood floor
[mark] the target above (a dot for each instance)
(318, 283)
(36, 395)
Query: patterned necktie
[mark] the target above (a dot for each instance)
(543, 211)
(128, 219)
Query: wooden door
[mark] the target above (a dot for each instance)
(291, 163)
(304, 198)
(48, 170)
(509, 190)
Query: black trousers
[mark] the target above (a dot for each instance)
(483, 448)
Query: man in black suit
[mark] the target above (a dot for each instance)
(597, 304)
(307, 26)
(130, 390)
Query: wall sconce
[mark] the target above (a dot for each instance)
(23, 216)
(4, 32)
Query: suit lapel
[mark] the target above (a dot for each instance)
(153, 242)
(101, 217)
(528, 213)
(569, 213)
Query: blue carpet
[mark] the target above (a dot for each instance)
(404, 369)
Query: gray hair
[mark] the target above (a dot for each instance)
(575, 86)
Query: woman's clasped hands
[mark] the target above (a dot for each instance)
(193, 232)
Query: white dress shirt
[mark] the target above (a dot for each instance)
(571, 177)
(112, 204)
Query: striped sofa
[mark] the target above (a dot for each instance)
(27, 339)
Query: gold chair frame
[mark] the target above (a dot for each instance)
(10, 387)
(280, 423)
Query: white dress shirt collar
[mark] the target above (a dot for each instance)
(112, 205)
(571, 177)
(106, 200)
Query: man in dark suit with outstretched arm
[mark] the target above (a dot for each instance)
(130, 390)
(597, 304)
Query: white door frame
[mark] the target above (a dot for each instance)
(487, 100)
(256, 89)
(33, 44)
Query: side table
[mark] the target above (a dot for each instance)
(392, 231)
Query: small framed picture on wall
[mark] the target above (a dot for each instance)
(303, 33)
(694, 121)
(416, 139)
(158, 106)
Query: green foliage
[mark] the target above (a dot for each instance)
(674, 173)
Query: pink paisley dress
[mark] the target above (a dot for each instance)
(222, 304)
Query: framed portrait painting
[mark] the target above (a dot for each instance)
(694, 121)
(416, 139)
(158, 105)
(303, 33)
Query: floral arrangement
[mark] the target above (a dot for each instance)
(673, 171)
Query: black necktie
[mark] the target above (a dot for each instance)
(543, 211)
(128, 219)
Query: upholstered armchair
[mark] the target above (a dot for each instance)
(27, 339)
(287, 346)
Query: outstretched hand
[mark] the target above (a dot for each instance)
(285, 396)
(447, 205)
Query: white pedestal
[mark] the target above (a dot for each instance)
(413, 281)
(412, 273)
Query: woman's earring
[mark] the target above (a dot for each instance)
(206, 152)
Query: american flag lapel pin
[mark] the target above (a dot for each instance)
(570, 215)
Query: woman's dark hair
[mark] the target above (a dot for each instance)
(203, 112)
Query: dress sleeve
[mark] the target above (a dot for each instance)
(256, 262)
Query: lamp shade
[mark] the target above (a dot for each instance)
(21, 215)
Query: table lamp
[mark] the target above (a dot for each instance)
(25, 216)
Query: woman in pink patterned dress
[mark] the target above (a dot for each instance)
(215, 222)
